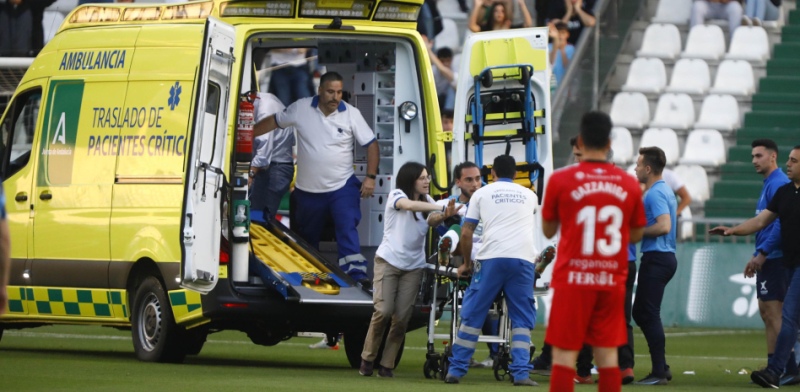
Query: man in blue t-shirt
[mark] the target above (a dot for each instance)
(658, 263)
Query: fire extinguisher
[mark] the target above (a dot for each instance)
(244, 127)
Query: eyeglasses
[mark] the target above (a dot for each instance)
(424, 178)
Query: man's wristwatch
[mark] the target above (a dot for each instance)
(372, 176)
(252, 173)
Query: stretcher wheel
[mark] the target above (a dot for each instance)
(444, 366)
(431, 367)
(526, 76)
(500, 367)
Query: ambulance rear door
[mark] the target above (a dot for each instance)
(508, 56)
(201, 226)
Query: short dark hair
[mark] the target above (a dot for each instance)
(330, 77)
(595, 130)
(505, 166)
(573, 141)
(444, 53)
(769, 144)
(448, 113)
(654, 157)
(460, 167)
(561, 26)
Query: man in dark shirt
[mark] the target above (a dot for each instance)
(577, 14)
(785, 204)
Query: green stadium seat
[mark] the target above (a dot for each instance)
(746, 135)
(718, 207)
(789, 120)
(737, 171)
(779, 84)
(740, 188)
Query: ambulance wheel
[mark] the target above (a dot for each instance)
(526, 76)
(354, 346)
(156, 337)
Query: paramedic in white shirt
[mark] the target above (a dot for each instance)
(272, 167)
(326, 185)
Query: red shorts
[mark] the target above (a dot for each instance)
(592, 316)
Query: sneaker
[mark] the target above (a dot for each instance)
(385, 372)
(525, 382)
(583, 379)
(766, 378)
(366, 368)
(444, 251)
(652, 380)
(757, 22)
(746, 21)
(790, 379)
(487, 363)
(627, 376)
(323, 344)
(451, 379)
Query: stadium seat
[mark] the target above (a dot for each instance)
(646, 75)
(663, 138)
(621, 145)
(673, 11)
(448, 37)
(695, 179)
(704, 147)
(720, 112)
(734, 77)
(687, 226)
(749, 43)
(690, 76)
(662, 41)
(630, 110)
(674, 111)
(705, 42)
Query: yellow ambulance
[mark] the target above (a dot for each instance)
(123, 186)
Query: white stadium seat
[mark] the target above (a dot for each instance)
(734, 77)
(646, 75)
(630, 110)
(662, 41)
(704, 147)
(720, 112)
(621, 145)
(663, 138)
(705, 42)
(448, 37)
(674, 111)
(690, 76)
(749, 43)
(687, 227)
(695, 179)
(673, 11)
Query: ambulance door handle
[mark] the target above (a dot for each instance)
(22, 196)
(46, 195)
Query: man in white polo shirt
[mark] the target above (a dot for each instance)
(326, 185)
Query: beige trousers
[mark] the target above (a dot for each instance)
(394, 294)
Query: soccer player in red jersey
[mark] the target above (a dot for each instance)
(599, 210)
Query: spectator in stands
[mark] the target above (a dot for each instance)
(496, 15)
(444, 77)
(290, 75)
(561, 51)
(447, 126)
(757, 11)
(731, 10)
(21, 32)
(429, 21)
(577, 14)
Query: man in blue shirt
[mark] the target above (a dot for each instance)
(773, 278)
(658, 263)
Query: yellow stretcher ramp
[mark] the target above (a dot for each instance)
(286, 261)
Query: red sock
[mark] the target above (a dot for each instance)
(610, 379)
(562, 379)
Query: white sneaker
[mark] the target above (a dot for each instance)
(487, 363)
(323, 344)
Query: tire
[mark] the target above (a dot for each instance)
(194, 339)
(354, 345)
(156, 337)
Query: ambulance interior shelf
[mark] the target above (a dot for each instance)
(496, 109)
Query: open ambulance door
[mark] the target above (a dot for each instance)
(503, 106)
(201, 226)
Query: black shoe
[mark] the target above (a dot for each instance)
(366, 368)
(652, 380)
(451, 379)
(790, 379)
(668, 374)
(540, 367)
(766, 378)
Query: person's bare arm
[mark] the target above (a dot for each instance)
(434, 219)
(526, 15)
(446, 72)
(587, 19)
(686, 199)
(465, 243)
(662, 226)
(550, 228)
(749, 226)
(266, 125)
(477, 10)
(373, 158)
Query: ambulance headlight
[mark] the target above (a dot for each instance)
(408, 110)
